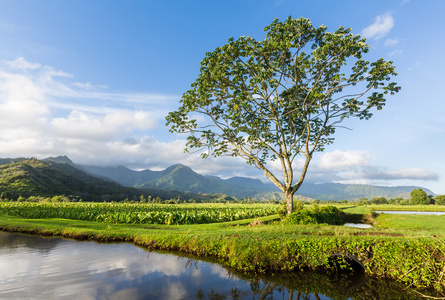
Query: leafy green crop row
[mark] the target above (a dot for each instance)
(124, 213)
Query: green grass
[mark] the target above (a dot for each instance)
(408, 207)
(413, 225)
(357, 210)
(401, 248)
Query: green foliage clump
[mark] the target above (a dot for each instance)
(328, 214)
(379, 200)
(418, 196)
(439, 200)
(363, 201)
(396, 201)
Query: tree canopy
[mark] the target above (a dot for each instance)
(418, 196)
(281, 98)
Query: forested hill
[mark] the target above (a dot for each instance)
(32, 177)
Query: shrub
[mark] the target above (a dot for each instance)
(329, 215)
(301, 217)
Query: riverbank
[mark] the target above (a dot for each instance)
(410, 256)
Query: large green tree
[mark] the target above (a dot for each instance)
(281, 98)
(419, 196)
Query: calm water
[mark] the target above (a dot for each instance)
(33, 267)
(358, 225)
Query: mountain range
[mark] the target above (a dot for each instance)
(180, 180)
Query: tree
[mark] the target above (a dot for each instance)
(379, 200)
(439, 200)
(418, 196)
(280, 98)
(395, 200)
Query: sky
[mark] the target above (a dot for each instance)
(94, 80)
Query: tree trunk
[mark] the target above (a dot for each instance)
(290, 201)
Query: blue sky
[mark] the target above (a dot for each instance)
(93, 80)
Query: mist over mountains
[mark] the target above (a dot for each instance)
(183, 179)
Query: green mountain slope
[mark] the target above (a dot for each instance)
(49, 178)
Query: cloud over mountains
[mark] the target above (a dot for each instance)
(46, 112)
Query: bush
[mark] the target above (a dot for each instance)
(329, 215)
(301, 217)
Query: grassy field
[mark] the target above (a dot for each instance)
(408, 207)
(409, 249)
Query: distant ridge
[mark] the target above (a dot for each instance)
(179, 178)
(59, 175)
(182, 178)
(337, 191)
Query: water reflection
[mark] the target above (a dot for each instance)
(358, 225)
(41, 268)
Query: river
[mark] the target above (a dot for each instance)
(33, 267)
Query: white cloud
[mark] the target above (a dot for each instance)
(356, 181)
(97, 127)
(343, 160)
(411, 173)
(22, 102)
(88, 86)
(43, 113)
(391, 42)
(83, 126)
(380, 28)
(21, 64)
(136, 119)
(376, 175)
(359, 167)
(395, 53)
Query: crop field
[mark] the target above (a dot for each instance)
(125, 213)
